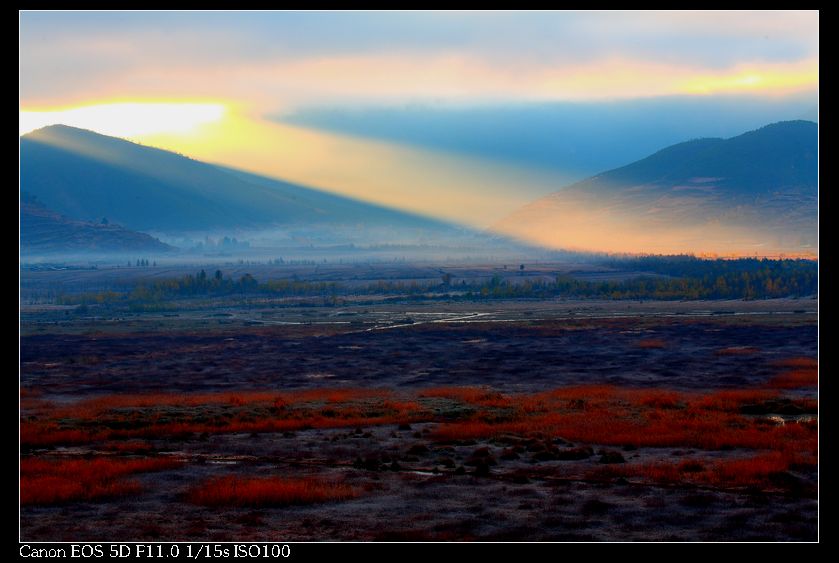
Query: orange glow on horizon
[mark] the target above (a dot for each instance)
(771, 80)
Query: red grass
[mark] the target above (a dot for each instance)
(621, 423)
(660, 399)
(39, 434)
(795, 379)
(732, 400)
(131, 416)
(801, 362)
(474, 395)
(130, 446)
(749, 471)
(267, 491)
(738, 351)
(756, 470)
(91, 407)
(598, 414)
(59, 481)
(805, 373)
(659, 431)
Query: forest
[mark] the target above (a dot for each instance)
(663, 278)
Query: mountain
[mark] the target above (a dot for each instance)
(44, 231)
(756, 193)
(86, 176)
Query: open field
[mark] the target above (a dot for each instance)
(519, 419)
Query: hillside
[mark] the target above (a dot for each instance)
(756, 193)
(44, 231)
(86, 176)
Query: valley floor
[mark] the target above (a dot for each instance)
(509, 420)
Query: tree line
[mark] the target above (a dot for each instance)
(676, 278)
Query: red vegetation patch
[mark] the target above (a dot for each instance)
(90, 407)
(660, 399)
(800, 362)
(130, 446)
(41, 434)
(753, 471)
(121, 417)
(641, 418)
(267, 491)
(472, 395)
(732, 400)
(738, 351)
(796, 379)
(804, 373)
(590, 415)
(59, 481)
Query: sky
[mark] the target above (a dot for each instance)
(458, 115)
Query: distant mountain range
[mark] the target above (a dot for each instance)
(756, 193)
(87, 176)
(44, 232)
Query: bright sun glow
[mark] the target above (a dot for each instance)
(127, 119)
(770, 80)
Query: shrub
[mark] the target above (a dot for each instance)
(58, 481)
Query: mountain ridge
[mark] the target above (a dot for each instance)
(76, 170)
(753, 193)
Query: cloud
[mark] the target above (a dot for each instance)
(278, 59)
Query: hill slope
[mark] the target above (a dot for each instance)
(87, 176)
(756, 193)
(44, 231)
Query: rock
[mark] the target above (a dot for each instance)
(612, 457)
(509, 454)
(446, 462)
(417, 449)
(580, 452)
(372, 464)
(477, 461)
(482, 468)
(535, 445)
(546, 455)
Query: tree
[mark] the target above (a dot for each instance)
(247, 283)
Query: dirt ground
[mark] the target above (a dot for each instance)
(412, 486)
